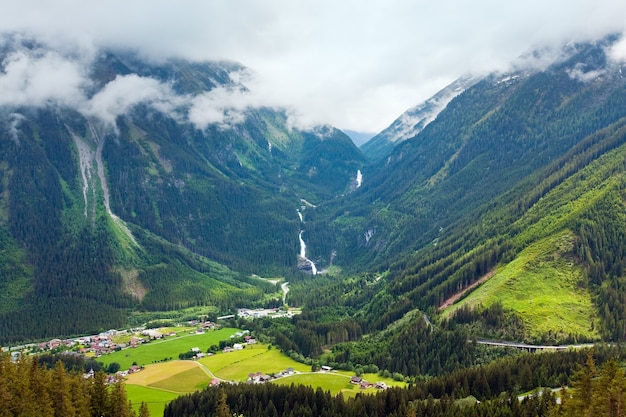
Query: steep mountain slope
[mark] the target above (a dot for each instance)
(139, 191)
(414, 120)
(514, 160)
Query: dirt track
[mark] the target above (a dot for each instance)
(447, 303)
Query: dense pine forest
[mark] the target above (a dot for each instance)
(597, 389)
(28, 388)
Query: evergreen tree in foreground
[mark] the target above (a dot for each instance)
(29, 389)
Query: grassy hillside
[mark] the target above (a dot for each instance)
(545, 287)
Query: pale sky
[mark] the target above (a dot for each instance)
(354, 64)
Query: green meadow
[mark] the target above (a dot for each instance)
(329, 381)
(543, 286)
(235, 366)
(170, 347)
(155, 398)
(159, 383)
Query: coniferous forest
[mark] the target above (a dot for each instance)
(502, 219)
(28, 388)
(597, 389)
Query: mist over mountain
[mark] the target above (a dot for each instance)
(158, 185)
(132, 183)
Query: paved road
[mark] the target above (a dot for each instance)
(529, 347)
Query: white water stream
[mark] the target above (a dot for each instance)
(359, 178)
(303, 248)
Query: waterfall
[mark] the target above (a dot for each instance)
(303, 248)
(303, 254)
(359, 178)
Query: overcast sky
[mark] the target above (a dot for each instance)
(353, 64)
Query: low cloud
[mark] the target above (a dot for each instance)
(618, 51)
(222, 106)
(14, 122)
(39, 78)
(579, 73)
(353, 64)
(125, 91)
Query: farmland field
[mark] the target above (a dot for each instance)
(191, 380)
(168, 348)
(155, 399)
(236, 366)
(331, 381)
(160, 382)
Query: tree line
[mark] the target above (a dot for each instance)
(28, 388)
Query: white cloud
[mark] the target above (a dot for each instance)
(579, 73)
(618, 51)
(14, 122)
(37, 78)
(355, 64)
(124, 92)
(222, 106)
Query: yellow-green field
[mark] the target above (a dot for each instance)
(544, 287)
(155, 398)
(328, 381)
(159, 383)
(235, 366)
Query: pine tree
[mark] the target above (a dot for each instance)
(98, 394)
(61, 392)
(118, 403)
(222, 407)
(143, 410)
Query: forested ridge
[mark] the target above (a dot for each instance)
(595, 389)
(194, 213)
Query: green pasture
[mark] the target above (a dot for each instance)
(190, 380)
(235, 366)
(328, 381)
(543, 286)
(170, 347)
(155, 398)
(160, 382)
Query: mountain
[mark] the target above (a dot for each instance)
(151, 186)
(359, 138)
(514, 194)
(135, 190)
(414, 120)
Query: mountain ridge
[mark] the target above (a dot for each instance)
(197, 202)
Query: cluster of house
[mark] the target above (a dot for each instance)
(357, 380)
(118, 376)
(260, 378)
(248, 340)
(247, 313)
(102, 343)
(98, 344)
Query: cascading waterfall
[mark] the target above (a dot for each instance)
(303, 248)
(359, 178)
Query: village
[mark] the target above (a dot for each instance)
(105, 343)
